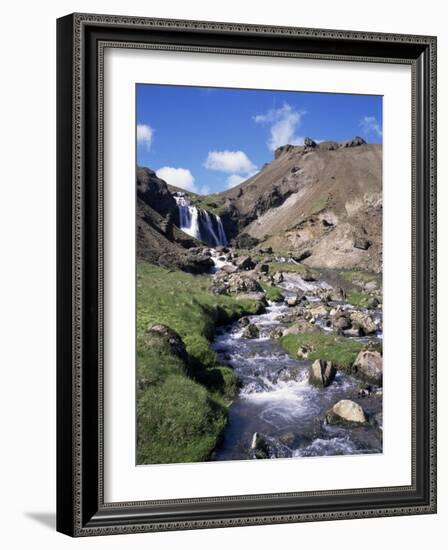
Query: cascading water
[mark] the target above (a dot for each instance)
(200, 223)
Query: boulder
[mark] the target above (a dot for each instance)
(292, 301)
(342, 322)
(365, 321)
(278, 278)
(346, 411)
(245, 241)
(262, 268)
(301, 326)
(308, 276)
(259, 446)
(371, 285)
(373, 303)
(170, 338)
(368, 365)
(322, 373)
(319, 309)
(244, 263)
(229, 268)
(308, 142)
(266, 250)
(361, 243)
(243, 283)
(251, 331)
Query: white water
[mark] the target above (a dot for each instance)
(200, 223)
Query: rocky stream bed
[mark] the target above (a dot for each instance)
(291, 405)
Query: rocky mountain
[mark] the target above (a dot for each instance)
(159, 239)
(321, 203)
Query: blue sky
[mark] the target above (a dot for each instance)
(208, 139)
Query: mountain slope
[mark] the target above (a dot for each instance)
(320, 202)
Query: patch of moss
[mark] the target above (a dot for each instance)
(273, 293)
(357, 299)
(327, 347)
(351, 276)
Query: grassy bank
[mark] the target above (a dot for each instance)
(273, 293)
(181, 403)
(328, 347)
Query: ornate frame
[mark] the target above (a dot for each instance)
(81, 39)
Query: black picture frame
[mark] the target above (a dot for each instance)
(81, 39)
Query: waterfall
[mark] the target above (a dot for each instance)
(199, 223)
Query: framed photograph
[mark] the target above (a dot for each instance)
(246, 274)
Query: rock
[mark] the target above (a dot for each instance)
(308, 142)
(300, 326)
(342, 322)
(306, 254)
(353, 332)
(362, 243)
(245, 241)
(319, 309)
(219, 289)
(303, 351)
(371, 286)
(251, 331)
(338, 295)
(368, 365)
(259, 446)
(292, 301)
(229, 268)
(308, 276)
(373, 303)
(286, 374)
(266, 250)
(262, 268)
(171, 338)
(276, 334)
(365, 321)
(243, 322)
(346, 411)
(378, 420)
(244, 263)
(322, 373)
(243, 283)
(278, 278)
(295, 169)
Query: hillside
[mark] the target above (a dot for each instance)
(319, 202)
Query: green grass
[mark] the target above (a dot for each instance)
(327, 347)
(357, 299)
(181, 405)
(273, 293)
(211, 203)
(351, 276)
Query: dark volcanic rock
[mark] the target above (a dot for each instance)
(155, 193)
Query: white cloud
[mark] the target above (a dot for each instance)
(284, 122)
(370, 125)
(179, 177)
(229, 161)
(145, 135)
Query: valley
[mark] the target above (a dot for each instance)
(259, 311)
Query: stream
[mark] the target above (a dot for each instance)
(276, 400)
